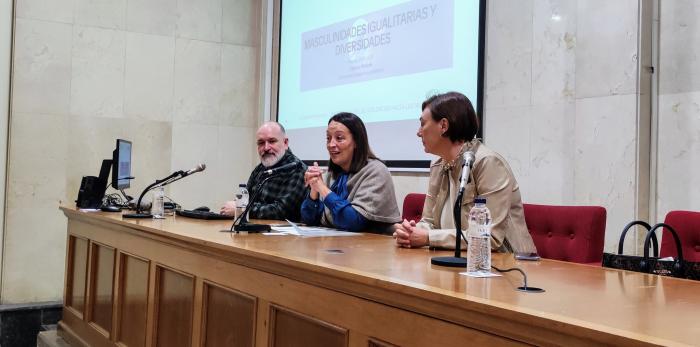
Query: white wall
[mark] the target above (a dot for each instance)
(678, 169)
(178, 78)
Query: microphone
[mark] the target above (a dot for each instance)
(196, 169)
(284, 167)
(457, 260)
(466, 168)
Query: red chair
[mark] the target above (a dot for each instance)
(687, 225)
(413, 206)
(569, 233)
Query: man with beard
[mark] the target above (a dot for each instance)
(280, 198)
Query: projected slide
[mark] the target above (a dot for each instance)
(367, 48)
(377, 59)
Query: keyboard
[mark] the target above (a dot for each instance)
(202, 214)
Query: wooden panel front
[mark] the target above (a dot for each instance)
(102, 283)
(291, 329)
(133, 294)
(77, 274)
(229, 317)
(174, 308)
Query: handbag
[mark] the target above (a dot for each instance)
(653, 264)
(629, 262)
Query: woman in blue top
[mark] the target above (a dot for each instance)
(361, 194)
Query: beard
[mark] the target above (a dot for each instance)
(270, 159)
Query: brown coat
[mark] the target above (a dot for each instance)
(491, 178)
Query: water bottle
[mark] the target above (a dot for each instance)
(242, 201)
(158, 208)
(479, 238)
(237, 208)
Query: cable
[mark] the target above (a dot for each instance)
(525, 287)
(176, 206)
(513, 269)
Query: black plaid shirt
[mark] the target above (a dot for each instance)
(280, 198)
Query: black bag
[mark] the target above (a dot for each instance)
(652, 265)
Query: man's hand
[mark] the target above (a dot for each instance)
(409, 236)
(229, 208)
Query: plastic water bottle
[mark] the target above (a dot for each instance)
(158, 208)
(479, 238)
(242, 201)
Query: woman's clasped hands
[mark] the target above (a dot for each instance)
(313, 178)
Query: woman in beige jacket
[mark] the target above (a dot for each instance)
(448, 126)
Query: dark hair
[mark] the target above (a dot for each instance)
(459, 112)
(359, 135)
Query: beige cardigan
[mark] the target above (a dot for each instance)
(491, 178)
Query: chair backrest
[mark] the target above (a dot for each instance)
(569, 233)
(687, 225)
(413, 206)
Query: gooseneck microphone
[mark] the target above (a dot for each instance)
(457, 260)
(284, 167)
(175, 176)
(196, 169)
(466, 169)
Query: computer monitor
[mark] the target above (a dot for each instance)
(121, 165)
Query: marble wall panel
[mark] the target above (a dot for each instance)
(507, 131)
(49, 10)
(605, 160)
(678, 153)
(36, 187)
(97, 82)
(109, 14)
(148, 87)
(553, 51)
(239, 82)
(197, 83)
(241, 22)
(37, 168)
(34, 257)
(679, 51)
(42, 67)
(606, 47)
(550, 178)
(679, 108)
(237, 155)
(199, 20)
(508, 77)
(157, 17)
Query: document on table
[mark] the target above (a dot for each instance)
(305, 231)
(480, 274)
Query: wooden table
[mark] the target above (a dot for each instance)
(182, 282)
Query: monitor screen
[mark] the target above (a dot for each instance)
(121, 165)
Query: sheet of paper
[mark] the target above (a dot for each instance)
(305, 231)
(282, 233)
(480, 274)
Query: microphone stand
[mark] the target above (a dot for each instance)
(457, 260)
(241, 223)
(158, 183)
